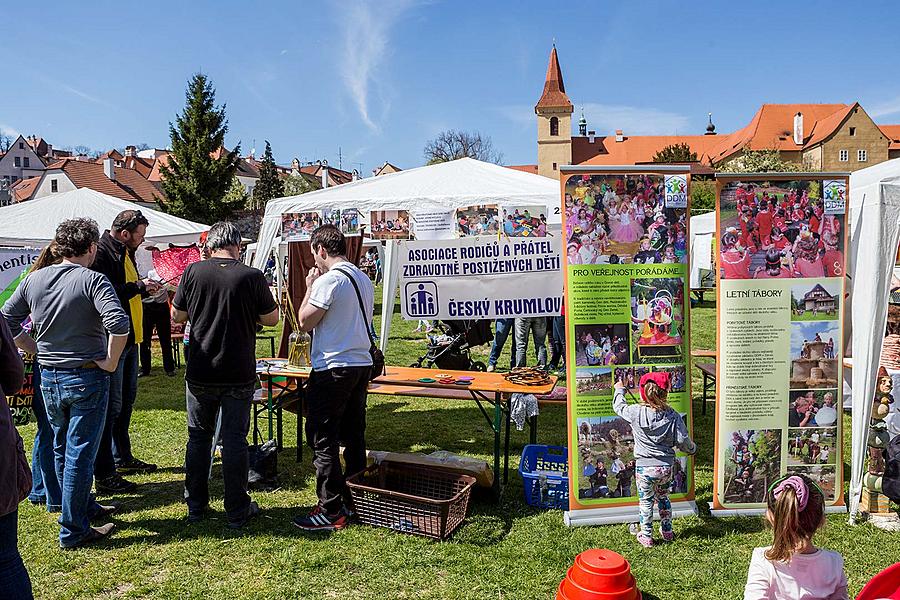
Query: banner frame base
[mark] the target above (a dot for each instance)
(621, 514)
(758, 512)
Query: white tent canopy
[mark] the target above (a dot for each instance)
(703, 228)
(442, 187)
(875, 221)
(433, 188)
(33, 223)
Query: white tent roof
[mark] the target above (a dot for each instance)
(433, 188)
(33, 223)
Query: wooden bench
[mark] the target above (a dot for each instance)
(709, 373)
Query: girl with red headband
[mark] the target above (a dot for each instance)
(657, 429)
(792, 568)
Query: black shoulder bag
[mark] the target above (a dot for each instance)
(377, 355)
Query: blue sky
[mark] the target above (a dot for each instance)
(377, 80)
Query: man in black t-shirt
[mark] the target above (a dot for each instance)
(224, 300)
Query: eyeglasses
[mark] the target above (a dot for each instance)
(132, 222)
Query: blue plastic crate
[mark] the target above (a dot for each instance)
(545, 475)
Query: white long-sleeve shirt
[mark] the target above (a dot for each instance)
(816, 576)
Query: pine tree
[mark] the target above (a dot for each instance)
(270, 184)
(199, 170)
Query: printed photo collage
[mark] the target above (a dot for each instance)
(780, 230)
(622, 219)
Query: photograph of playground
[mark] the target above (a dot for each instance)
(605, 458)
(601, 345)
(595, 381)
(813, 446)
(813, 354)
(752, 461)
(657, 319)
(815, 302)
(823, 475)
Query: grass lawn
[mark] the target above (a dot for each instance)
(504, 550)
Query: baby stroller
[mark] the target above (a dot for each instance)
(450, 349)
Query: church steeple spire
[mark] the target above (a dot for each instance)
(554, 95)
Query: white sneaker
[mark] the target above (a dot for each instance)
(490, 368)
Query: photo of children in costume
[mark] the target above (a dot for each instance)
(752, 460)
(778, 229)
(478, 220)
(816, 445)
(622, 219)
(593, 381)
(601, 345)
(630, 377)
(605, 458)
(657, 319)
(299, 226)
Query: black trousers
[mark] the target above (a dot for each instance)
(156, 315)
(203, 402)
(336, 403)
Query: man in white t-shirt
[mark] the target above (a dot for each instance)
(826, 416)
(337, 309)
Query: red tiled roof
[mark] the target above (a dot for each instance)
(527, 168)
(772, 127)
(892, 133)
(141, 165)
(113, 154)
(639, 149)
(335, 175)
(129, 184)
(554, 95)
(24, 188)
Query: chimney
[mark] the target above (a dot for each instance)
(50, 150)
(324, 174)
(591, 135)
(620, 137)
(798, 129)
(130, 151)
(355, 175)
(109, 168)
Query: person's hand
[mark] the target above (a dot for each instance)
(151, 286)
(619, 385)
(312, 276)
(107, 364)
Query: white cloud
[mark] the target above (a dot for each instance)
(76, 92)
(365, 31)
(10, 131)
(606, 118)
(889, 107)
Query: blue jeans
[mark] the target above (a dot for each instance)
(14, 581)
(76, 402)
(115, 446)
(558, 341)
(45, 485)
(503, 327)
(537, 327)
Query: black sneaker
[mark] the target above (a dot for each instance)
(94, 534)
(252, 511)
(318, 520)
(195, 516)
(135, 466)
(114, 484)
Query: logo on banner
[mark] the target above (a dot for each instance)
(834, 196)
(422, 299)
(676, 191)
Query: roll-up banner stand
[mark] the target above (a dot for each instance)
(627, 313)
(780, 303)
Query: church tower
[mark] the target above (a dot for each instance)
(554, 122)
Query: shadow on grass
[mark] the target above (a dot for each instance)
(714, 528)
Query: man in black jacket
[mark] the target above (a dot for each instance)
(115, 259)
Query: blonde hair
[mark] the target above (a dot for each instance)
(655, 396)
(791, 526)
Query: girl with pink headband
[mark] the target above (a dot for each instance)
(792, 568)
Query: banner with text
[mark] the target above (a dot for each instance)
(13, 264)
(480, 278)
(780, 307)
(626, 315)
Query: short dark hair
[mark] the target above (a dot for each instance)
(223, 234)
(330, 238)
(129, 220)
(75, 236)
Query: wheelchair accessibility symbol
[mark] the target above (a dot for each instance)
(421, 299)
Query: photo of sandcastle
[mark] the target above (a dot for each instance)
(814, 361)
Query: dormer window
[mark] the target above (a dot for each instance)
(554, 126)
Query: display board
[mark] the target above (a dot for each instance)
(780, 308)
(20, 403)
(13, 264)
(480, 277)
(627, 313)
